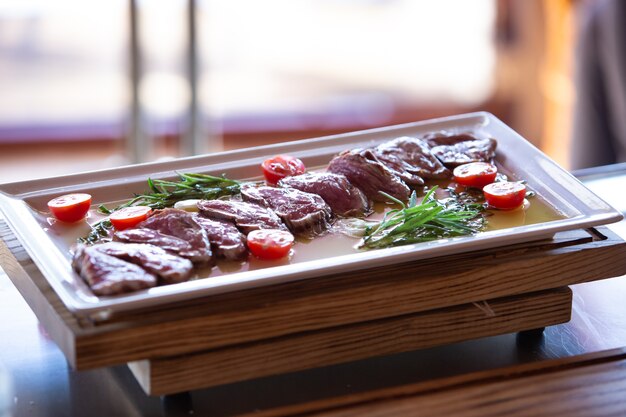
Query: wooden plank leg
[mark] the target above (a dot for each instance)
(341, 344)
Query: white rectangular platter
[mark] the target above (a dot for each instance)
(24, 207)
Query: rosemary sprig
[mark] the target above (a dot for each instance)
(429, 220)
(164, 193)
(99, 231)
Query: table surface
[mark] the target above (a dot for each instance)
(35, 379)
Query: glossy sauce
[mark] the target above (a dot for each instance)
(332, 243)
(336, 243)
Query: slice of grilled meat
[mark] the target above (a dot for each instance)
(108, 275)
(459, 149)
(412, 158)
(304, 214)
(170, 269)
(246, 216)
(227, 242)
(366, 172)
(344, 199)
(169, 227)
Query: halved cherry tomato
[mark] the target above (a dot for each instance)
(270, 243)
(505, 195)
(475, 174)
(281, 166)
(70, 208)
(129, 216)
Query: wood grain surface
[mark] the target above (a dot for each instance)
(353, 342)
(277, 311)
(591, 385)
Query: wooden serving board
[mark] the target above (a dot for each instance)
(270, 330)
(353, 342)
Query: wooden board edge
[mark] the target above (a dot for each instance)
(353, 342)
(55, 325)
(110, 344)
(239, 328)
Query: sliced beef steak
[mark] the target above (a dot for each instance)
(344, 199)
(455, 150)
(169, 268)
(108, 275)
(173, 226)
(411, 159)
(366, 172)
(443, 137)
(246, 216)
(227, 242)
(304, 213)
(153, 237)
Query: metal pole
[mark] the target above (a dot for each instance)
(136, 146)
(200, 135)
(192, 142)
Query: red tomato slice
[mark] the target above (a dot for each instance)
(281, 166)
(70, 208)
(270, 243)
(505, 195)
(475, 174)
(128, 217)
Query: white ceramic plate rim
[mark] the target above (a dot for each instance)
(555, 185)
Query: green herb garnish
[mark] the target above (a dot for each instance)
(429, 220)
(191, 186)
(164, 193)
(98, 231)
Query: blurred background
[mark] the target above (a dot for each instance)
(88, 84)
